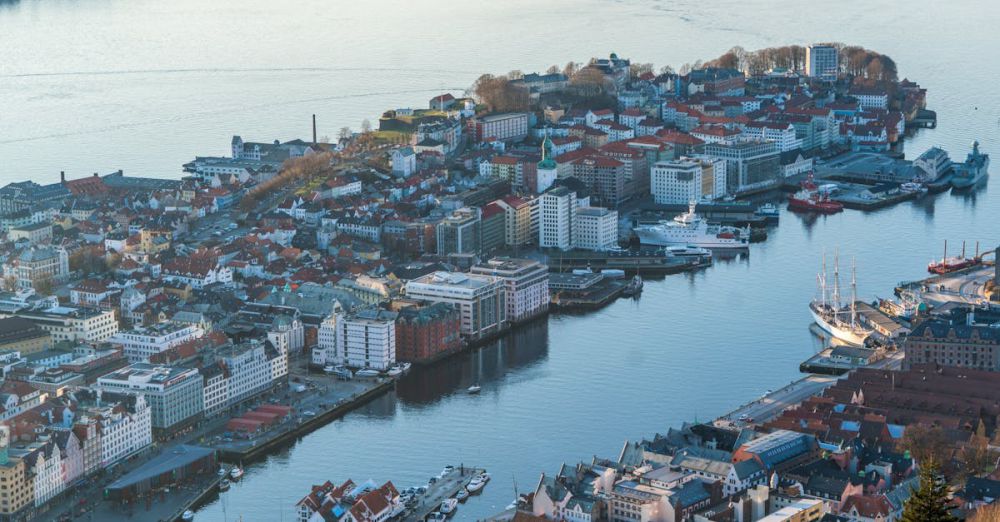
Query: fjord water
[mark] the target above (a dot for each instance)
(99, 85)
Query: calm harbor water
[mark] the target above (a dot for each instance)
(98, 85)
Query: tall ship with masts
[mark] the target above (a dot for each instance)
(831, 314)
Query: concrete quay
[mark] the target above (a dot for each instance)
(444, 488)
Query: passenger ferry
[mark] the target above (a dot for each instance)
(690, 229)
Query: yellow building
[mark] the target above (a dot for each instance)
(22, 335)
(17, 491)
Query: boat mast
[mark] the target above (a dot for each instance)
(854, 294)
(836, 281)
(822, 282)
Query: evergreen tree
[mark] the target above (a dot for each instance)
(929, 502)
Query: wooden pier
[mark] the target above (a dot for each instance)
(444, 488)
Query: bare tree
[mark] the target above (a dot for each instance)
(497, 93)
(589, 81)
(366, 126)
(554, 69)
(570, 69)
(636, 70)
(344, 133)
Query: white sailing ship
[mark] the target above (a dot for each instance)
(831, 314)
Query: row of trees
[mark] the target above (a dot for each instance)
(292, 170)
(499, 94)
(854, 60)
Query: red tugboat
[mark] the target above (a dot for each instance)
(810, 199)
(950, 264)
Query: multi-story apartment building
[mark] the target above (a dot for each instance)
(526, 283)
(688, 179)
(479, 298)
(174, 394)
(521, 215)
(124, 422)
(42, 265)
(460, 233)
(750, 165)
(558, 208)
(18, 498)
(961, 345)
(65, 323)
(367, 339)
(250, 370)
(822, 62)
(426, 332)
(782, 133)
(595, 228)
(140, 343)
(21, 335)
(510, 126)
(606, 176)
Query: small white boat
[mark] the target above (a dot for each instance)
(223, 471)
(236, 473)
(395, 371)
(367, 372)
(449, 505)
(485, 477)
(329, 368)
(475, 485)
(405, 366)
(462, 494)
(474, 389)
(188, 515)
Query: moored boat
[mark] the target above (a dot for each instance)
(831, 315)
(810, 198)
(236, 473)
(974, 170)
(768, 211)
(188, 515)
(634, 287)
(224, 485)
(690, 229)
(462, 495)
(951, 264)
(475, 485)
(474, 389)
(367, 373)
(449, 505)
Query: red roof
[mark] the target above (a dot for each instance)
(715, 130)
(678, 138)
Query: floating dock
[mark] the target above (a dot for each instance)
(444, 488)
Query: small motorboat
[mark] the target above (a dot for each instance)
(224, 485)
(188, 515)
(395, 371)
(475, 485)
(474, 389)
(462, 495)
(236, 473)
(367, 373)
(449, 505)
(405, 366)
(436, 516)
(485, 477)
(223, 471)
